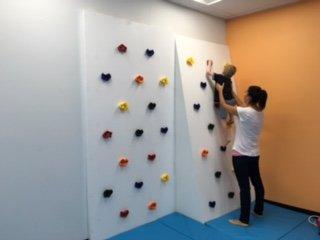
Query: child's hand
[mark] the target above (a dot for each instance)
(219, 87)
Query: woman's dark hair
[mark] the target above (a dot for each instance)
(258, 96)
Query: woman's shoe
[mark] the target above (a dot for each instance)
(238, 223)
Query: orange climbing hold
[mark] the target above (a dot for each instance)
(205, 153)
(139, 79)
(152, 206)
(123, 162)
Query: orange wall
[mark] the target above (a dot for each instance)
(279, 49)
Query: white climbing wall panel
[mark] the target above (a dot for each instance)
(101, 35)
(196, 184)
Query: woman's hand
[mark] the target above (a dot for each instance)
(219, 87)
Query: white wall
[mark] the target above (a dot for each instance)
(41, 163)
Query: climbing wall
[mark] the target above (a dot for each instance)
(205, 184)
(128, 89)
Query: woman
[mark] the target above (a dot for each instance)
(245, 153)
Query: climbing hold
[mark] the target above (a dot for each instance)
(124, 213)
(164, 81)
(231, 195)
(105, 77)
(196, 106)
(151, 106)
(149, 52)
(217, 174)
(122, 48)
(123, 162)
(164, 130)
(139, 132)
(152, 206)
(139, 80)
(123, 106)
(212, 204)
(107, 135)
(204, 153)
(203, 85)
(210, 126)
(165, 177)
(151, 156)
(223, 148)
(107, 193)
(190, 61)
(138, 185)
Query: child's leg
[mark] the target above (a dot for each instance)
(230, 120)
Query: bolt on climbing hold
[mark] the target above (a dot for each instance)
(123, 162)
(149, 52)
(152, 206)
(165, 177)
(217, 174)
(107, 135)
(164, 130)
(210, 126)
(190, 61)
(223, 148)
(105, 77)
(203, 85)
(196, 106)
(138, 185)
(139, 80)
(151, 156)
(138, 132)
(164, 81)
(152, 106)
(123, 106)
(231, 195)
(212, 204)
(124, 213)
(122, 48)
(107, 193)
(204, 153)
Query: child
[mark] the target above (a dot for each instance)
(224, 78)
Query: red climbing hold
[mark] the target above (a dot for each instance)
(122, 48)
(123, 162)
(124, 213)
(151, 156)
(107, 135)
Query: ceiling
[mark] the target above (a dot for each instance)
(228, 9)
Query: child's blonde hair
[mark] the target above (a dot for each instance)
(229, 70)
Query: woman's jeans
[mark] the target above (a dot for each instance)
(245, 168)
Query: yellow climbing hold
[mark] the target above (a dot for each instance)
(165, 177)
(164, 81)
(190, 61)
(123, 106)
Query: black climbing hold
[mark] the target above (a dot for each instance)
(149, 52)
(212, 204)
(196, 106)
(231, 195)
(107, 193)
(138, 185)
(223, 148)
(203, 85)
(139, 132)
(210, 126)
(105, 77)
(217, 174)
(164, 130)
(152, 106)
